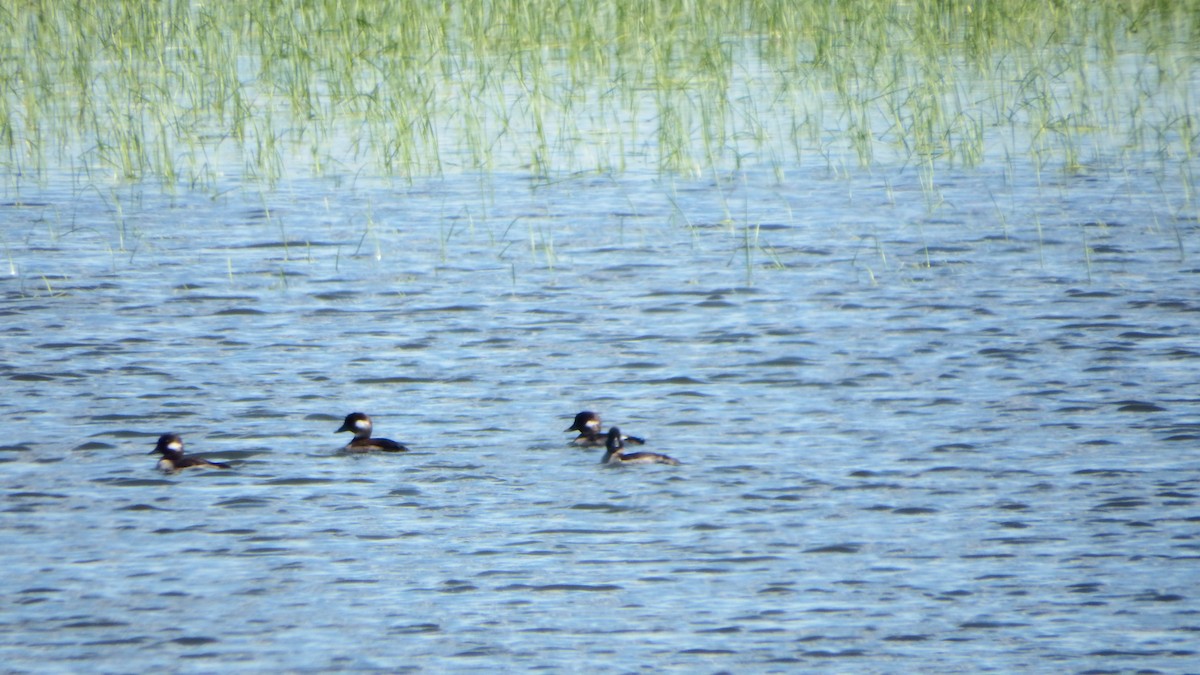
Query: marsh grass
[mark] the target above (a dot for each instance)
(192, 93)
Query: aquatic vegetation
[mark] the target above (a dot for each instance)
(192, 94)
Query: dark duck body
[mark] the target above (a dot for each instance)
(360, 425)
(170, 446)
(614, 453)
(587, 423)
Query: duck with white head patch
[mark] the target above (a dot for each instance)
(587, 423)
(360, 425)
(170, 446)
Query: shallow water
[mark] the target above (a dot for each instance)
(915, 437)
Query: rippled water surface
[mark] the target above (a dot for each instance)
(920, 431)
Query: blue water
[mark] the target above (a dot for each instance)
(915, 437)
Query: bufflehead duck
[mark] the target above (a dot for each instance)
(614, 453)
(587, 423)
(360, 424)
(170, 446)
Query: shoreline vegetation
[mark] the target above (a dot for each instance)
(195, 94)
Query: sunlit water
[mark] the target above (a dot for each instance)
(920, 431)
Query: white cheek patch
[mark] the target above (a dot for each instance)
(175, 446)
(362, 424)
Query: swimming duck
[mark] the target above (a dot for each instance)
(587, 423)
(170, 446)
(615, 452)
(360, 425)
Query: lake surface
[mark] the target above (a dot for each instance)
(916, 437)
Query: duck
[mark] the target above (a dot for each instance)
(170, 446)
(587, 423)
(614, 453)
(360, 425)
